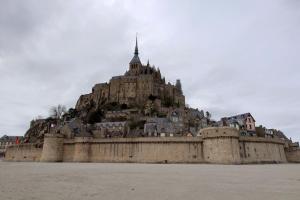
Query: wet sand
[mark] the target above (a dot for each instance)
(106, 181)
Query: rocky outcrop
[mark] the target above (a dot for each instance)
(35, 134)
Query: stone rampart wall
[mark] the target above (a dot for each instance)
(220, 145)
(217, 145)
(261, 150)
(293, 156)
(143, 150)
(23, 152)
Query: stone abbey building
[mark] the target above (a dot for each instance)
(134, 88)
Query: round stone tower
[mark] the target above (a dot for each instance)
(53, 148)
(82, 149)
(221, 145)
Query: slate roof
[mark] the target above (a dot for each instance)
(238, 117)
(6, 138)
(279, 134)
(135, 60)
(110, 124)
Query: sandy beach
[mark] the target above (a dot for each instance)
(74, 181)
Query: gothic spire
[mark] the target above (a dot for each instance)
(136, 50)
(136, 59)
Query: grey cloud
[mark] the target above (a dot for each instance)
(231, 56)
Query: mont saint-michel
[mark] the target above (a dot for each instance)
(139, 117)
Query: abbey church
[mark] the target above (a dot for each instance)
(135, 87)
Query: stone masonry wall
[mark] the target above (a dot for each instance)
(53, 148)
(217, 145)
(220, 145)
(261, 150)
(143, 150)
(23, 152)
(293, 156)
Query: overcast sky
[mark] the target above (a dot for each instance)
(231, 56)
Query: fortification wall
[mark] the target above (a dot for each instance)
(82, 149)
(68, 152)
(261, 150)
(293, 156)
(221, 145)
(142, 150)
(23, 152)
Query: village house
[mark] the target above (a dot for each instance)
(111, 129)
(245, 123)
(6, 140)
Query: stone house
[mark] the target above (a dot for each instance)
(161, 127)
(117, 115)
(111, 129)
(243, 122)
(6, 141)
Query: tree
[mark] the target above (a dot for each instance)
(58, 111)
(94, 116)
(208, 115)
(70, 114)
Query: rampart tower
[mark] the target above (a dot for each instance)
(53, 148)
(221, 145)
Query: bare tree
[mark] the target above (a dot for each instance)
(208, 115)
(57, 111)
